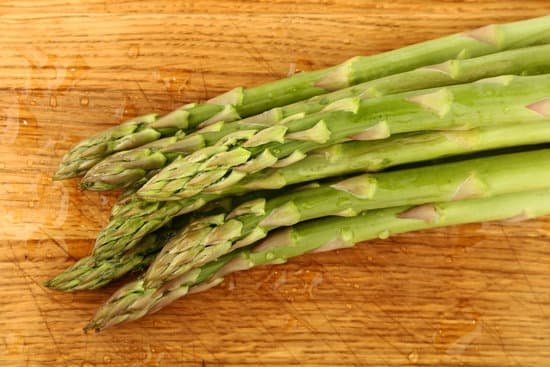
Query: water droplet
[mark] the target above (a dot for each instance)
(347, 234)
(25, 122)
(449, 259)
(291, 69)
(348, 306)
(384, 234)
(315, 282)
(133, 51)
(413, 356)
(270, 256)
(291, 323)
(344, 202)
(369, 258)
(53, 101)
(84, 101)
(107, 359)
(356, 286)
(127, 109)
(156, 74)
(231, 284)
(281, 280)
(307, 205)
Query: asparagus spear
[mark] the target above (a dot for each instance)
(87, 273)
(137, 217)
(90, 272)
(124, 168)
(242, 102)
(252, 220)
(135, 300)
(492, 101)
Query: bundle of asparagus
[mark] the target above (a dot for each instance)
(241, 102)
(194, 210)
(135, 300)
(125, 168)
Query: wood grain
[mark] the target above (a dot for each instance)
(470, 295)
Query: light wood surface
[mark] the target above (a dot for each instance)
(475, 295)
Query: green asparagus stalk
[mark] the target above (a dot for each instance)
(252, 220)
(88, 273)
(242, 102)
(493, 101)
(136, 300)
(124, 168)
(135, 218)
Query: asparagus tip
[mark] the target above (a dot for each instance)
(92, 325)
(61, 175)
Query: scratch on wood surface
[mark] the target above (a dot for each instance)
(44, 319)
(282, 300)
(332, 327)
(520, 264)
(368, 315)
(387, 314)
(266, 332)
(356, 359)
(16, 263)
(58, 244)
(257, 56)
(151, 106)
(496, 335)
(199, 339)
(201, 71)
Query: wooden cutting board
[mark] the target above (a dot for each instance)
(469, 295)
